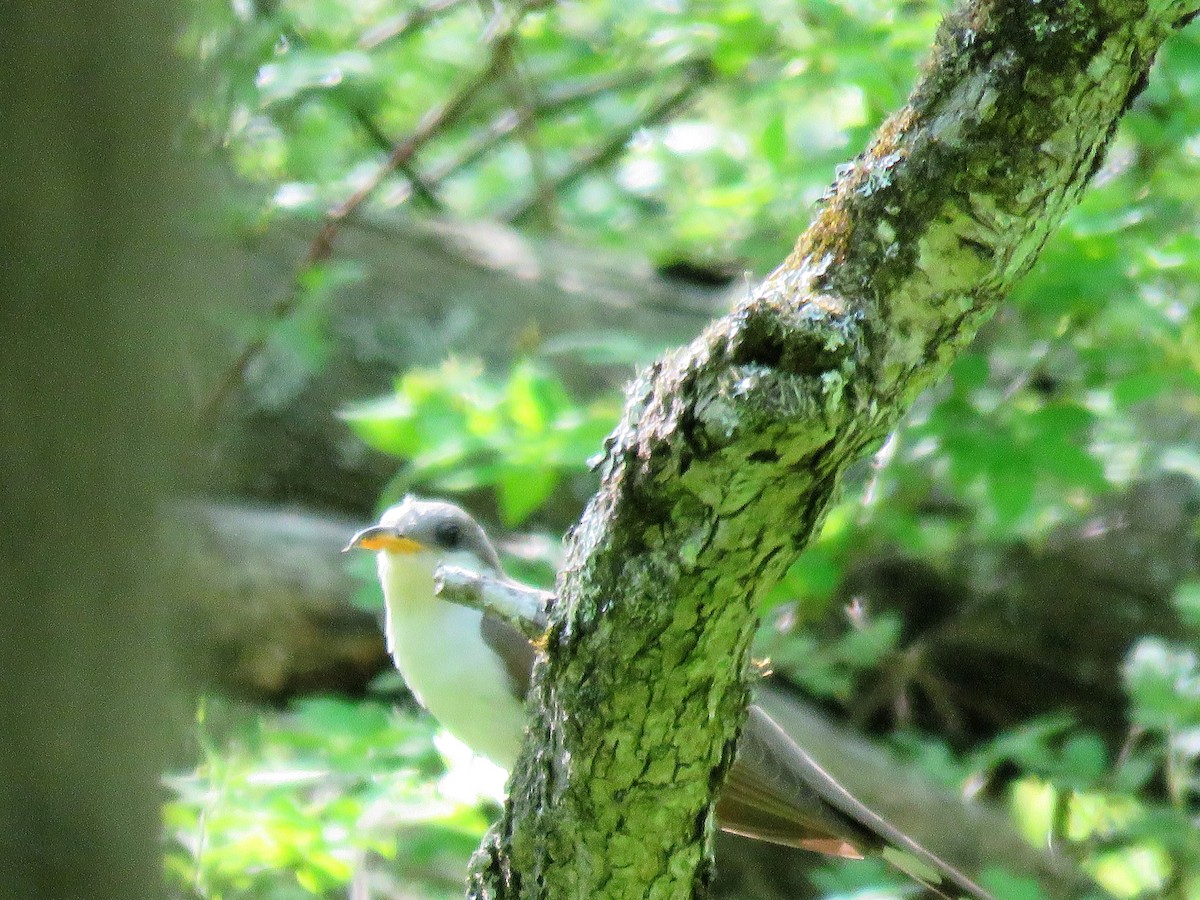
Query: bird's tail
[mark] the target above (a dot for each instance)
(895, 847)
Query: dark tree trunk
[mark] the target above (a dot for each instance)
(90, 291)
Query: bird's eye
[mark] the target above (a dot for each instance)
(448, 535)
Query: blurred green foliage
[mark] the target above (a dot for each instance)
(297, 805)
(458, 430)
(1086, 381)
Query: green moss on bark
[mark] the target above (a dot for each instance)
(730, 450)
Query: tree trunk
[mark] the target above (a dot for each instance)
(91, 288)
(730, 449)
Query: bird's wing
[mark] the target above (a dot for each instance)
(767, 796)
(513, 648)
(776, 792)
(763, 798)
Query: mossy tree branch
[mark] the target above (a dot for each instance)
(731, 448)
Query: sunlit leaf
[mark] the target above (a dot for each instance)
(523, 491)
(1164, 684)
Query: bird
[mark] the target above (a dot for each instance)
(471, 670)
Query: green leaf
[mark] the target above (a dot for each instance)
(1010, 488)
(814, 576)
(1084, 761)
(774, 142)
(866, 645)
(524, 490)
(1072, 466)
(1061, 422)
(970, 372)
(1011, 887)
(1027, 745)
(1139, 387)
(388, 425)
(534, 398)
(1164, 684)
(303, 70)
(1187, 601)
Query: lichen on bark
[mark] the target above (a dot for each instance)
(730, 449)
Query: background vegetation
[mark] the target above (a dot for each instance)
(1008, 595)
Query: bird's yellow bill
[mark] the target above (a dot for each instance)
(378, 537)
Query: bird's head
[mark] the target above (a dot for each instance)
(426, 534)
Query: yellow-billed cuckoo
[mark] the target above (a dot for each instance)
(472, 671)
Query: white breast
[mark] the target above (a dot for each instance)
(440, 651)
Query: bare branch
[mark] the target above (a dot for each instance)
(614, 145)
(510, 121)
(405, 24)
(434, 121)
(419, 187)
(524, 100)
(521, 606)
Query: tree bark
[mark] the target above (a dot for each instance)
(93, 292)
(730, 449)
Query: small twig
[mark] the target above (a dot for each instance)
(555, 100)
(511, 120)
(500, 128)
(524, 100)
(1135, 734)
(615, 144)
(519, 605)
(405, 24)
(1060, 820)
(880, 463)
(432, 123)
(420, 188)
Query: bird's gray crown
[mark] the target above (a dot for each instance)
(441, 526)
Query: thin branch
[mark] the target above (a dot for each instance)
(434, 121)
(523, 98)
(608, 151)
(496, 133)
(521, 606)
(569, 95)
(405, 24)
(511, 120)
(419, 187)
